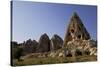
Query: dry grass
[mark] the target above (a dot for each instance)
(49, 60)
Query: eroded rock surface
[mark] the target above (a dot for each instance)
(76, 30)
(44, 43)
(56, 42)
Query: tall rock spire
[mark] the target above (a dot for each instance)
(76, 29)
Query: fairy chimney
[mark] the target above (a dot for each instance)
(76, 30)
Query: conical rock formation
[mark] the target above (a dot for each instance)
(77, 39)
(76, 30)
(44, 43)
(56, 42)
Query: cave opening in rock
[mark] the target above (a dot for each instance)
(72, 31)
(79, 36)
(68, 34)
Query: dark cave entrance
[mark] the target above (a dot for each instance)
(79, 36)
(72, 31)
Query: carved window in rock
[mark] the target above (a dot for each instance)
(68, 34)
(79, 36)
(72, 30)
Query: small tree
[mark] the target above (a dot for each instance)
(18, 53)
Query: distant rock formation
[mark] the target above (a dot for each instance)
(30, 46)
(56, 42)
(44, 43)
(76, 30)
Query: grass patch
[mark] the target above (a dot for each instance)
(49, 60)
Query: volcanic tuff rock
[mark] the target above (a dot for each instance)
(77, 39)
(81, 47)
(44, 43)
(30, 46)
(56, 42)
(76, 30)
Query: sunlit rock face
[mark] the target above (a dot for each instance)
(81, 47)
(56, 42)
(77, 40)
(76, 30)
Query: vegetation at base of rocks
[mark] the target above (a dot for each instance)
(18, 53)
(49, 60)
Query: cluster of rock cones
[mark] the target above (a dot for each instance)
(77, 41)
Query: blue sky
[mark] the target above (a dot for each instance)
(32, 19)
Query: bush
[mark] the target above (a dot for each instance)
(18, 53)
